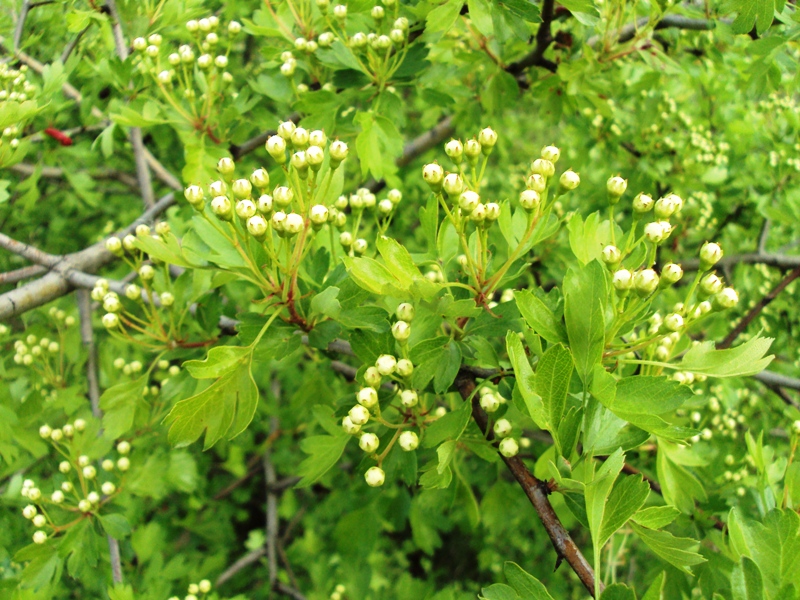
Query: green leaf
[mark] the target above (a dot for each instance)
(220, 361)
(597, 493)
(324, 452)
(400, 264)
(448, 427)
(656, 589)
(679, 552)
(499, 591)
(442, 18)
(223, 409)
(628, 496)
(551, 384)
(746, 581)
(618, 591)
(540, 318)
(525, 380)
(166, 249)
(745, 359)
(120, 404)
(115, 525)
(523, 9)
(121, 592)
(374, 277)
(656, 517)
(650, 395)
(447, 368)
(525, 584)
(587, 238)
(585, 297)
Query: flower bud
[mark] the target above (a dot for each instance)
(551, 153)
(110, 321)
(368, 442)
(374, 475)
(114, 245)
(338, 151)
(536, 182)
(642, 203)
(529, 199)
(405, 367)
(85, 506)
(358, 414)
(508, 447)
(89, 472)
(409, 398)
(386, 364)
(489, 402)
(502, 428)
(283, 196)
(468, 201)
(346, 239)
(226, 166)
(367, 397)
(326, 38)
(221, 206)
(360, 246)
(45, 431)
(455, 150)
(39, 521)
(349, 426)
(139, 44)
(646, 282)
(80, 424)
(472, 150)
(710, 254)
(615, 187)
(671, 273)
(673, 322)
(318, 214)
(257, 226)
(401, 331)
(340, 11)
(29, 511)
(405, 311)
(543, 167)
(39, 537)
(452, 184)
(108, 488)
(487, 139)
(293, 224)
(245, 209)
(710, 284)
(107, 465)
(57, 435)
(492, 211)
(611, 255)
(242, 188)
(408, 441)
(288, 68)
(204, 61)
(123, 464)
(314, 157)
(433, 175)
(276, 148)
(299, 138)
(727, 298)
(372, 378)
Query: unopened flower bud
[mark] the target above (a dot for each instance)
(338, 151)
(276, 148)
(401, 331)
(727, 298)
(492, 211)
(710, 284)
(642, 203)
(123, 464)
(455, 150)
(433, 175)
(710, 254)
(615, 187)
(242, 188)
(487, 139)
(408, 441)
(110, 321)
(358, 414)
(367, 397)
(245, 209)
(489, 402)
(468, 201)
(405, 311)
(536, 182)
(226, 166)
(543, 167)
(530, 199)
(472, 150)
(405, 367)
(349, 426)
(502, 428)
(671, 273)
(673, 322)
(508, 447)
(221, 206)
(368, 442)
(646, 282)
(611, 255)
(452, 184)
(375, 477)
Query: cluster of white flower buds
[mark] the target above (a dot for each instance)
(209, 52)
(67, 495)
(490, 401)
(14, 87)
(337, 592)
(196, 591)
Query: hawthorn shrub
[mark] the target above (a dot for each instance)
(399, 300)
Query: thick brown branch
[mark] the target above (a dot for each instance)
(544, 38)
(536, 491)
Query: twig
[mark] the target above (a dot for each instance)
(629, 31)
(771, 378)
(764, 236)
(87, 338)
(537, 492)
(58, 173)
(142, 170)
(22, 274)
(781, 393)
(73, 44)
(419, 145)
(72, 270)
(272, 498)
(544, 38)
(756, 310)
(23, 16)
(244, 562)
(286, 590)
(256, 142)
